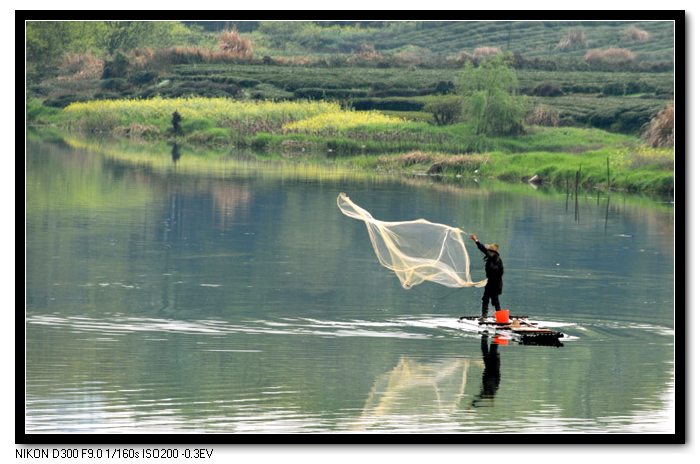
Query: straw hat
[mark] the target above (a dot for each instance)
(492, 247)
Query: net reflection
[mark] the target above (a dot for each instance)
(415, 393)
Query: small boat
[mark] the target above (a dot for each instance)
(518, 328)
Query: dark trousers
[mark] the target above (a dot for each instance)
(489, 294)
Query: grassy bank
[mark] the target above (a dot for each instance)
(499, 171)
(318, 131)
(637, 169)
(303, 126)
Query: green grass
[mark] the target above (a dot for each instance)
(632, 167)
(584, 103)
(295, 129)
(556, 169)
(290, 125)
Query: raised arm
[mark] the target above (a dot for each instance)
(478, 243)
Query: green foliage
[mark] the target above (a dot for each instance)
(48, 41)
(491, 100)
(117, 84)
(117, 67)
(548, 89)
(37, 113)
(445, 110)
(127, 35)
(619, 114)
(387, 104)
(617, 88)
(143, 77)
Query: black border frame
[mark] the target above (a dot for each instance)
(679, 437)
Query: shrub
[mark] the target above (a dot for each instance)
(143, 77)
(484, 52)
(634, 34)
(614, 88)
(79, 66)
(387, 104)
(455, 164)
(633, 87)
(164, 58)
(367, 51)
(445, 87)
(543, 115)
(445, 111)
(547, 89)
(660, 130)
(116, 84)
(573, 40)
(458, 60)
(140, 58)
(412, 55)
(230, 42)
(117, 67)
(609, 55)
(408, 159)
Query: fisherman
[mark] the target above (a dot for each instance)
(494, 274)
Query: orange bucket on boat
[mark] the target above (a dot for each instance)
(502, 316)
(498, 340)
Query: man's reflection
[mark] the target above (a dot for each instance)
(491, 377)
(175, 153)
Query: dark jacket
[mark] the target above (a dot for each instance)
(494, 269)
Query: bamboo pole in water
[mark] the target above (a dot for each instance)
(607, 210)
(578, 178)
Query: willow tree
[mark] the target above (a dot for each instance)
(492, 103)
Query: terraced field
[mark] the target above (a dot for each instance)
(529, 38)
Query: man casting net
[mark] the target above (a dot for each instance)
(416, 250)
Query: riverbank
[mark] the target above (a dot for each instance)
(325, 134)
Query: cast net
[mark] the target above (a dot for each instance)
(416, 250)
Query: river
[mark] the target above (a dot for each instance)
(162, 299)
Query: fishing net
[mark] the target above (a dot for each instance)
(416, 250)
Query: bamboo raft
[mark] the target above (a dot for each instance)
(520, 328)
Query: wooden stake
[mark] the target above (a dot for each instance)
(578, 178)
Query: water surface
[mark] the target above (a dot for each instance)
(238, 300)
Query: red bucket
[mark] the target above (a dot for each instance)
(502, 316)
(498, 340)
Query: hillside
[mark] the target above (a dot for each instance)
(394, 67)
(532, 39)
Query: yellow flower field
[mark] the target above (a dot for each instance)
(216, 110)
(339, 120)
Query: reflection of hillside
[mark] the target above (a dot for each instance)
(227, 195)
(227, 199)
(414, 392)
